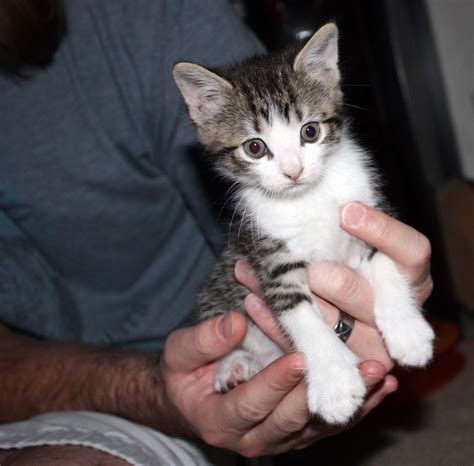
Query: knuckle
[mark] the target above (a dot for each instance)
(425, 290)
(213, 438)
(341, 282)
(420, 251)
(282, 384)
(288, 425)
(201, 342)
(251, 451)
(249, 413)
(429, 285)
(382, 228)
(423, 249)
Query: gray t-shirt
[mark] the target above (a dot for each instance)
(106, 231)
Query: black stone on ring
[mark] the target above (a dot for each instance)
(344, 326)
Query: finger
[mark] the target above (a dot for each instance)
(247, 276)
(372, 372)
(388, 385)
(317, 430)
(365, 341)
(409, 248)
(424, 290)
(251, 402)
(292, 415)
(288, 418)
(260, 313)
(299, 429)
(343, 287)
(189, 348)
(314, 431)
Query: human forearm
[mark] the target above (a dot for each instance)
(37, 377)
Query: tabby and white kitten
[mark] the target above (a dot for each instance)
(273, 125)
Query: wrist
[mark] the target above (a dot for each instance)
(143, 396)
(135, 387)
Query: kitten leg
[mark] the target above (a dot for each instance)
(335, 387)
(408, 336)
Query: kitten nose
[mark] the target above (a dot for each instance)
(294, 174)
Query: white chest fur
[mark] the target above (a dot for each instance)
(310, 222)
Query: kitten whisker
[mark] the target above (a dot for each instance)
(232, 220)
(241, 223)
(356, 85)
(229, 195)
(252, 233)
(355, 106)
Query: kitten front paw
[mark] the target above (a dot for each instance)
(234, 369)
(410, 342)
(336, 393)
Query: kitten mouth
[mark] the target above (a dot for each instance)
(294, 187)
(300, 186)
(294, 184)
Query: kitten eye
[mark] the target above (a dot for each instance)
(256, 148)
(310, 132)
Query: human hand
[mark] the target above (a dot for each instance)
(265, 415)
(268, 414)
(339, 287)
(300, 426)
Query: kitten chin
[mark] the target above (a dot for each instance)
(270, 123)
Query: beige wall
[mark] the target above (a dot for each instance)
(452, 23)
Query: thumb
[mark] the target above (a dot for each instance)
(190, 348)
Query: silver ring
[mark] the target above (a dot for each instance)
(344, 326)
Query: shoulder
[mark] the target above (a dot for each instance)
(191, 24)
(208, 32)
(155, 34)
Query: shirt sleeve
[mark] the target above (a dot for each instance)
(30, 290)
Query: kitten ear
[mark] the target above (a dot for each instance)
(203, 91)
(319, 56)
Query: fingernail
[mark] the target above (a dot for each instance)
(373, 374)
(224, 326)
(394, 387)
(243, 268)
(253, 303)
(393, 390)
(353, 214)
(373, 379)
(296, 372)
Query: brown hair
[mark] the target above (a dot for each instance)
(30, 33)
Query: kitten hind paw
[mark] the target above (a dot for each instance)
(234, 369)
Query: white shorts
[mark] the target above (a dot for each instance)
(139, 445)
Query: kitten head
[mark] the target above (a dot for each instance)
(270, 122)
